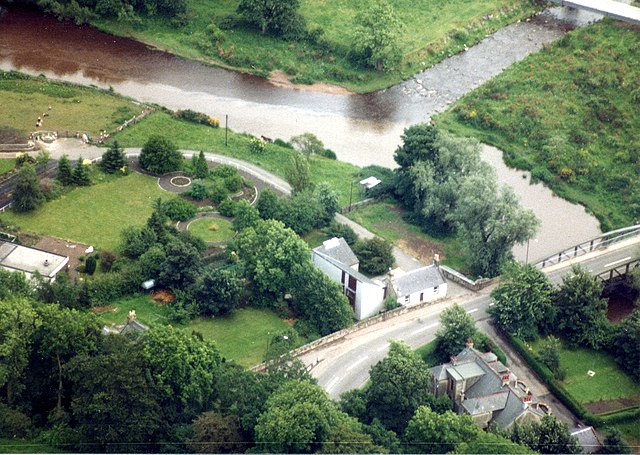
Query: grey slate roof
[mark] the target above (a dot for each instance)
(353, 272)
(338, 249)
(418, 280)
(488, 403)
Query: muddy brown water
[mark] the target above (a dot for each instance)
(361, 129)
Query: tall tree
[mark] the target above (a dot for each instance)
(272, 255)
(376, 36)
(375, 255)
(64, 334)
(299, 417)
(582, 313)
(18, 324)
(430, 432)
(199, 165)
(488, 443)
(269, 205)
(547, 436)
(64, 174)
(613, 443)
(399, 386)
(457, 327)
(626, 345)
(320, 301)
(160, 155)
(298, 173)
(329, 203)
(113, 160)
(524, 304)
(80, 174)
(27, 194)
(114, 401)
(308, 144)
(216, 433)
(277, 17)
(219, 291)
(491, 222)
(183, 369)
(182, 266)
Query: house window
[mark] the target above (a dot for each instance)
(422, 296)
(435, 290)
(406, 299)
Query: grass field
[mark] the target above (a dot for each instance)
(588, 389)
(386, 220)
(203, 228)
(570, 114)
(6, 165)
(74, 108)
(242, 336)
(432, 30)
(93, 215)
(275, 159)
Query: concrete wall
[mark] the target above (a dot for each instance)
(457, 277)
(369, 300)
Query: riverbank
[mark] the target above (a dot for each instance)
(431, 33)
(570, 115)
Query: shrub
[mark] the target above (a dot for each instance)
(336, 229)
(227, 208)
(198, 191)
(328, 153)
(375, 255)
(51, 189)
(13, 423)
(282, 143)
(160, 155)
(257, 145)
(224, 171)
(178, 209)
(107, 259)
(217, 192)
(234, 183)
(90, 265)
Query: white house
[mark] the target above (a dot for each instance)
(18, 258)
(336, 259)
(420, 285)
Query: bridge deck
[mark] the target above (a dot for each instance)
(611, 8)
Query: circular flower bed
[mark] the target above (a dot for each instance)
(180, 181)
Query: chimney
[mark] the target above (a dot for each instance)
(436, 259)
(132, 316)
(527, 399)
(469, 343)
(505, 377)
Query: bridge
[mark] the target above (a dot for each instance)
(619, 269)
(594, 244)
(609, 8)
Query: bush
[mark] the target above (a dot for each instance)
(217, 192)
(90, 265)
(390, 304)
(13, 423)
(375, 255)
(336, 229)
(328, 153)
(51, 189)
(179, 210)
(281, 143)
(234, 183)
(198, 191)
(227, 208)
(159, 155)
(198, 117)
(107, 259)
(224, 171)
(257, 145)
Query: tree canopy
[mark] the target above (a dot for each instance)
(457, 326)
(160, 155)
(376, 36)
(27, 194)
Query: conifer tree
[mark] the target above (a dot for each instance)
(27, 194)
(64, 175)
(113, 159)
(81, 174)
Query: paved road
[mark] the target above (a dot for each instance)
(345, 364)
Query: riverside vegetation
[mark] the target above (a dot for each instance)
(317, 47)
(570, 114)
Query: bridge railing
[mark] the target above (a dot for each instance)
(596, 243)
(619, 270)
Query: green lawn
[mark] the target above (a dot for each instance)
(241, 337)
(74, 108)
(212, 229)
(6, 165)
(608, 383)
(275, 159)
(387, 221)
(432, 30)
(25, 446)
(315, 238)
(570, 114)
(93, 215)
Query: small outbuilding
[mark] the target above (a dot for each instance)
(31, 261)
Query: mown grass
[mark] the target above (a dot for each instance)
(74, 108)
(432, 30)
(212, 229)
(315, 238)
(6, 165)
(570, 114)
(274, 159)
(386, 220)
(93, 215)
(242, 336)
(609, 382)
(14, 445)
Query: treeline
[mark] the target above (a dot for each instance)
(82, 11)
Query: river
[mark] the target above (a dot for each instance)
(361, 129)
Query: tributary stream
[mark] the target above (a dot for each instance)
(361, 129)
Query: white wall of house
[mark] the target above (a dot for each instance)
(328, 268)
(369, 300)
(425, 295)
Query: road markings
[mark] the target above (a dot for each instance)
(332, 383)
(382, 348)
(616, 262)
(424, 329)
(353, 365)
(473, 311)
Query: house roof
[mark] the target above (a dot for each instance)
(30, 260)
(338, 249)
(488, 403)
(587, 438)
(467, 370)
(353, 272)
(418, 280)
